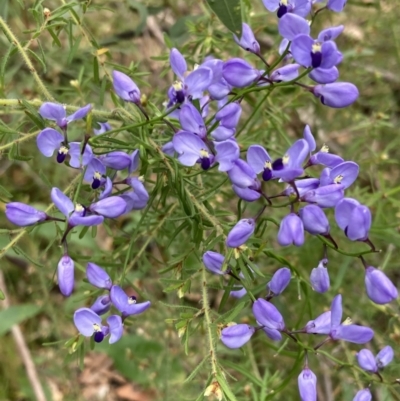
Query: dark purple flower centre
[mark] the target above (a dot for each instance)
(316, 55)
(278, 164)
(62, 154)
(205, 163)
(180, 96)
(267, 174)
(282, 10)
(98, 336)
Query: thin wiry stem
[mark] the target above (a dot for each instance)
(13, 39)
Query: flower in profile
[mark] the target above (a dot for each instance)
(320, 325)
(336, 5)
(125, 88)
(247, 41)
(239, 73)
(137, 198)
(125, 304)
(227, 152)
(314, 220)
(24, 215)
(236, 335)
(191, 150)
(363, 395)
(192, 121)
(279, 281)
(104, 127)
(111, 207)
(371, 363)
(57, 112)
(291, 231)
(213, 261)
(268, 316)
(76, 215)
(240, 233)
(380, 288)
(347, 331)
(101, 305)
(307, 382)
(336, 95)
(319, 277)
(65, 275)
(89, 323)
(353, 218)
(325, 196)
(98, 277)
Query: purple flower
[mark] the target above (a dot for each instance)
(345, 331)
(247, 41)
(104, 127)
(57, 113)
(353, 218)
(303, 186)
(267, 315)
(24, 215)
(324, 76)
(314, 220)
(336, 95)
(75, 215)
(192, 121)
(101, 305)
(326, 196)
(368, 362)
(344, 173)
(379, 287)
(111, 207)
(248, 194)
(227, 153)
(117, 160)
(290, 166)
(363, 395)
(126, 305)
(260, 161)
(190, 86)
(336, 5)
(77, 158)
(192, 150)
(239, 73)
(307, 382)
(319, 277)
(50, 140)
(125, 88)
(237, 335)
(291, 231)
(285, 74)
(291, 25)
(240, 233)
(88, 323)
(98, 277)
(229, 115)
(213, 261)
(314, 53)
(65, 275)
(298, 7)
(95, 172)
(279, 281)
(243, 176)
(138, 198)
(321, 325)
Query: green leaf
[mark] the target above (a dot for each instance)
(2, 296)
(15, 315)
(229, 12)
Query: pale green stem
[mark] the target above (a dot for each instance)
(37, 103)
(206, 307)
(13, 39)
(19, 140)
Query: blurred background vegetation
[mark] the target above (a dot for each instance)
(74, 54)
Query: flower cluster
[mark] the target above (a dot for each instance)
(100, 171)
(88, 320)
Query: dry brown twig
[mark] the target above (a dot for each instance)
(23, 349)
